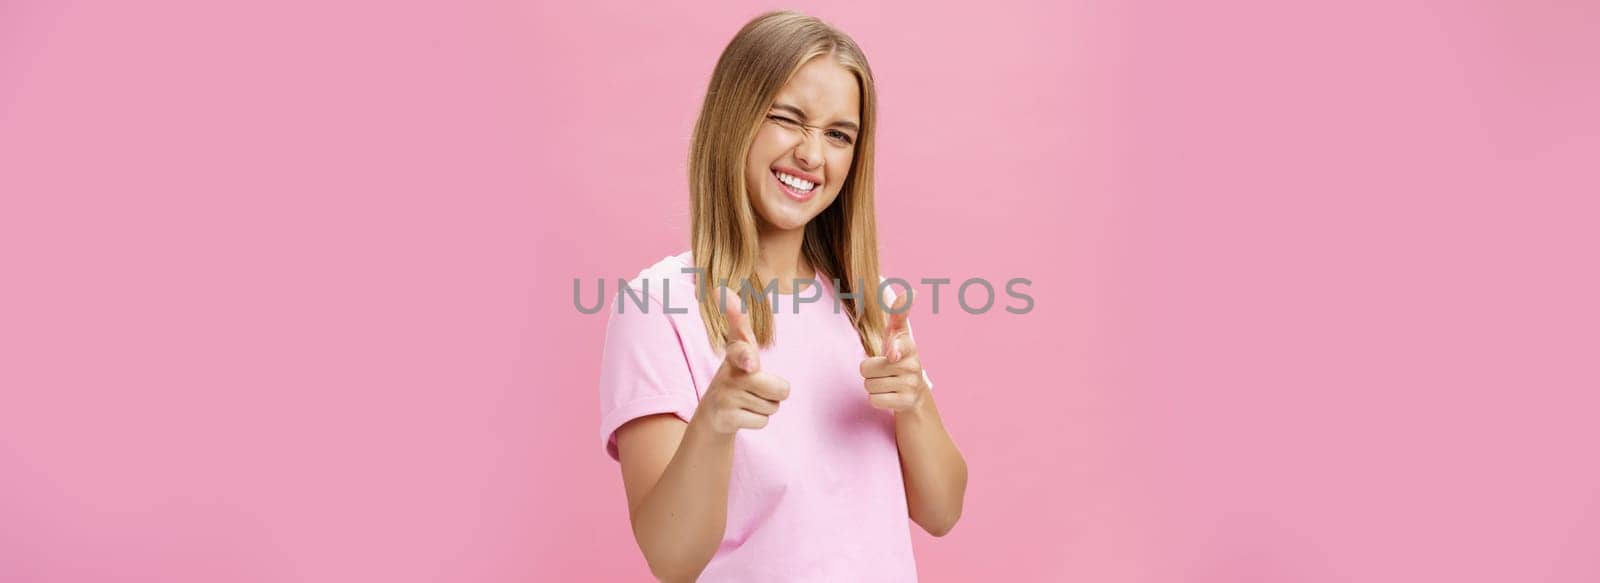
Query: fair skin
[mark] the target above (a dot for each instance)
(675, 473)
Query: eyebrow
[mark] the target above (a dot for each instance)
(850, 125)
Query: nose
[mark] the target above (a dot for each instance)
(809, 152)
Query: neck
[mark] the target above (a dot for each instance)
(782, 257)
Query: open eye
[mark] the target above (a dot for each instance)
(840, 137)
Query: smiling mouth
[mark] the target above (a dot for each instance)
(797, 187)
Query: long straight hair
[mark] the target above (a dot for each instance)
(842, 241)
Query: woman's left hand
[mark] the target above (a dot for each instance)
(895, 381)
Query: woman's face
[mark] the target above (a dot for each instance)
(803, 150)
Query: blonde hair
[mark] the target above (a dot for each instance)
(842, 241)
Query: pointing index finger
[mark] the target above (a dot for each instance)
(740, 349)
(896, 326)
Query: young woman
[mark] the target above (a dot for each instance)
(784, 432)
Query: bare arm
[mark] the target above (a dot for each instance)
(933, 469)
(676, 474)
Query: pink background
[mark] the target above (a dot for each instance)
(287, 286)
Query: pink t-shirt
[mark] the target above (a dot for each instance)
(816, 495)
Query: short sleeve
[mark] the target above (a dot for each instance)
(644, 371)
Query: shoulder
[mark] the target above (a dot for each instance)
(654, 326)
(660, 298)
(673, 265)
(669, 279)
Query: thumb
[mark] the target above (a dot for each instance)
(741, 345)
(897, 325)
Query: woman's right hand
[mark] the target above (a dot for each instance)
(740, 396)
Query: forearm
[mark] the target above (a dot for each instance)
(680, 523)
(935, 474)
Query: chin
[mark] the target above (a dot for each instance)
(784, 214)
(788, 222)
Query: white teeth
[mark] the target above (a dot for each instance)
(799, 184)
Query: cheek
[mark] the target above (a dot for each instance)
(769, 143)
(839, 165)
(758, 159)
